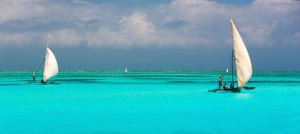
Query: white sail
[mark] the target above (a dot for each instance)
(50, 65)
(126, 70)
(242, 59)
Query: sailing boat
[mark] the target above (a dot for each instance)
(126, 70)
(50, 64)
(242, 61)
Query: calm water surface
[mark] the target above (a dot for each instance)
(148, 103)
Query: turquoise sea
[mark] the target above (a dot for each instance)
(148, 103)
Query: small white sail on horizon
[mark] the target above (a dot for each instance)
(242, 59)
(126, 70)
(227, 70)
(50, 65)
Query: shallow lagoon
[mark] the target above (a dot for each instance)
(148, 103)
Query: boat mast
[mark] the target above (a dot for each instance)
(48, 41)
(46, 53)
(232, 59)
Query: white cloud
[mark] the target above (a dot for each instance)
(137, 23)
(296, 38)
(16, 38)
(106, 38)
(273, 1)
(276, 6)
(179, 23)
(66, 37)
(19, 9)
(81, 2)
(259, 34)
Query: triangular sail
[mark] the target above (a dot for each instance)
(242, 59)
(50, 65)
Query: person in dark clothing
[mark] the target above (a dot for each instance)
(232, 85)
(224, 87)
(220, 82)
(33, 76)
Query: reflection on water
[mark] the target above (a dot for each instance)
(244, 95)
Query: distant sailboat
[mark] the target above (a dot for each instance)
(242, 61)
(126, 70)
(50, 65)
(227, 70)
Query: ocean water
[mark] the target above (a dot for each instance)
(148, 103)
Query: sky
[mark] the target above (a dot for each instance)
(148, 35)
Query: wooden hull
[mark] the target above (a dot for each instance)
(234, 90)
(33, 82)
(50, 83)
(44, 83)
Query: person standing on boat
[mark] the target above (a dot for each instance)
(220, 82)
(231, 85)
(33, 76)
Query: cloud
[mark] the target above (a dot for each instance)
(184, 23)
(20, 9)
(66, 37)
(259, 34)
(273, 1)
(15, 38)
